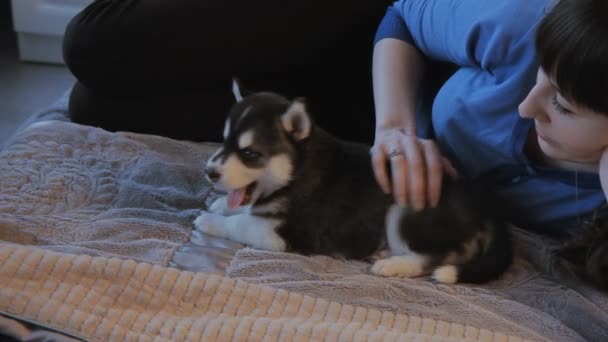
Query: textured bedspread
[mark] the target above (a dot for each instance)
(524, 302)
(110, 217)
(101, 299)
(79, 190)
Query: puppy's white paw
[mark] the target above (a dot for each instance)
(219, 206)
(399, 266)
(447, 274)
(210, 223)
(273, 243)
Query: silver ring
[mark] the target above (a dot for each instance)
(395, 153)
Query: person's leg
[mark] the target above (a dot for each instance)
(165, 67)
(191, 115)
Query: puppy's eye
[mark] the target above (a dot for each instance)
(250, 155)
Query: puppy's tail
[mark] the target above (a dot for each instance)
(487, 264)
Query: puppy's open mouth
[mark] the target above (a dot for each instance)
(241, 196)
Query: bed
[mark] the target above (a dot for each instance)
(97, 244)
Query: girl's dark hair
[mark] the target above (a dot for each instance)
(572, 48)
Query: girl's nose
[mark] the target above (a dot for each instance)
(531, 107)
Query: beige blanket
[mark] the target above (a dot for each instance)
(109, 299)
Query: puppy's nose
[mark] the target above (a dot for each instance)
(212, 174)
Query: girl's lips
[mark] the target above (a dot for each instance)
(544, 138)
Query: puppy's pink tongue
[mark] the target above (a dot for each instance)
(236, 197)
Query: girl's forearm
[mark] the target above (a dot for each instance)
(397, 69)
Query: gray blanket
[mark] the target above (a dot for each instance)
(76, 189)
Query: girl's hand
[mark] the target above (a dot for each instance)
(416, 167)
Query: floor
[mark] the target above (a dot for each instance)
(25, 87)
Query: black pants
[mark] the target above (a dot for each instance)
(165, 66)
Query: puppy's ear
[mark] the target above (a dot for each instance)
(236, 89)
(296, 120)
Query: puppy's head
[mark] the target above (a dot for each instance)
(258, 153)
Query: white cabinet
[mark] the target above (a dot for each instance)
(40, 25)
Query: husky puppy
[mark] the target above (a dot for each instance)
(291, 186)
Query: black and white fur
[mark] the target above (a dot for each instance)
(300, 189)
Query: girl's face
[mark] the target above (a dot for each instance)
(565, 131)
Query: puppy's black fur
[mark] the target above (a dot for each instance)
(587, 253)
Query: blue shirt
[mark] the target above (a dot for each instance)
(474, 115)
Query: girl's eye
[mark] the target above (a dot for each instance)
(249, 154)
(561, 109)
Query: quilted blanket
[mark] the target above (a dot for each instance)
(96, 242)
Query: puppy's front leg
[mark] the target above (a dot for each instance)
(257, 232)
